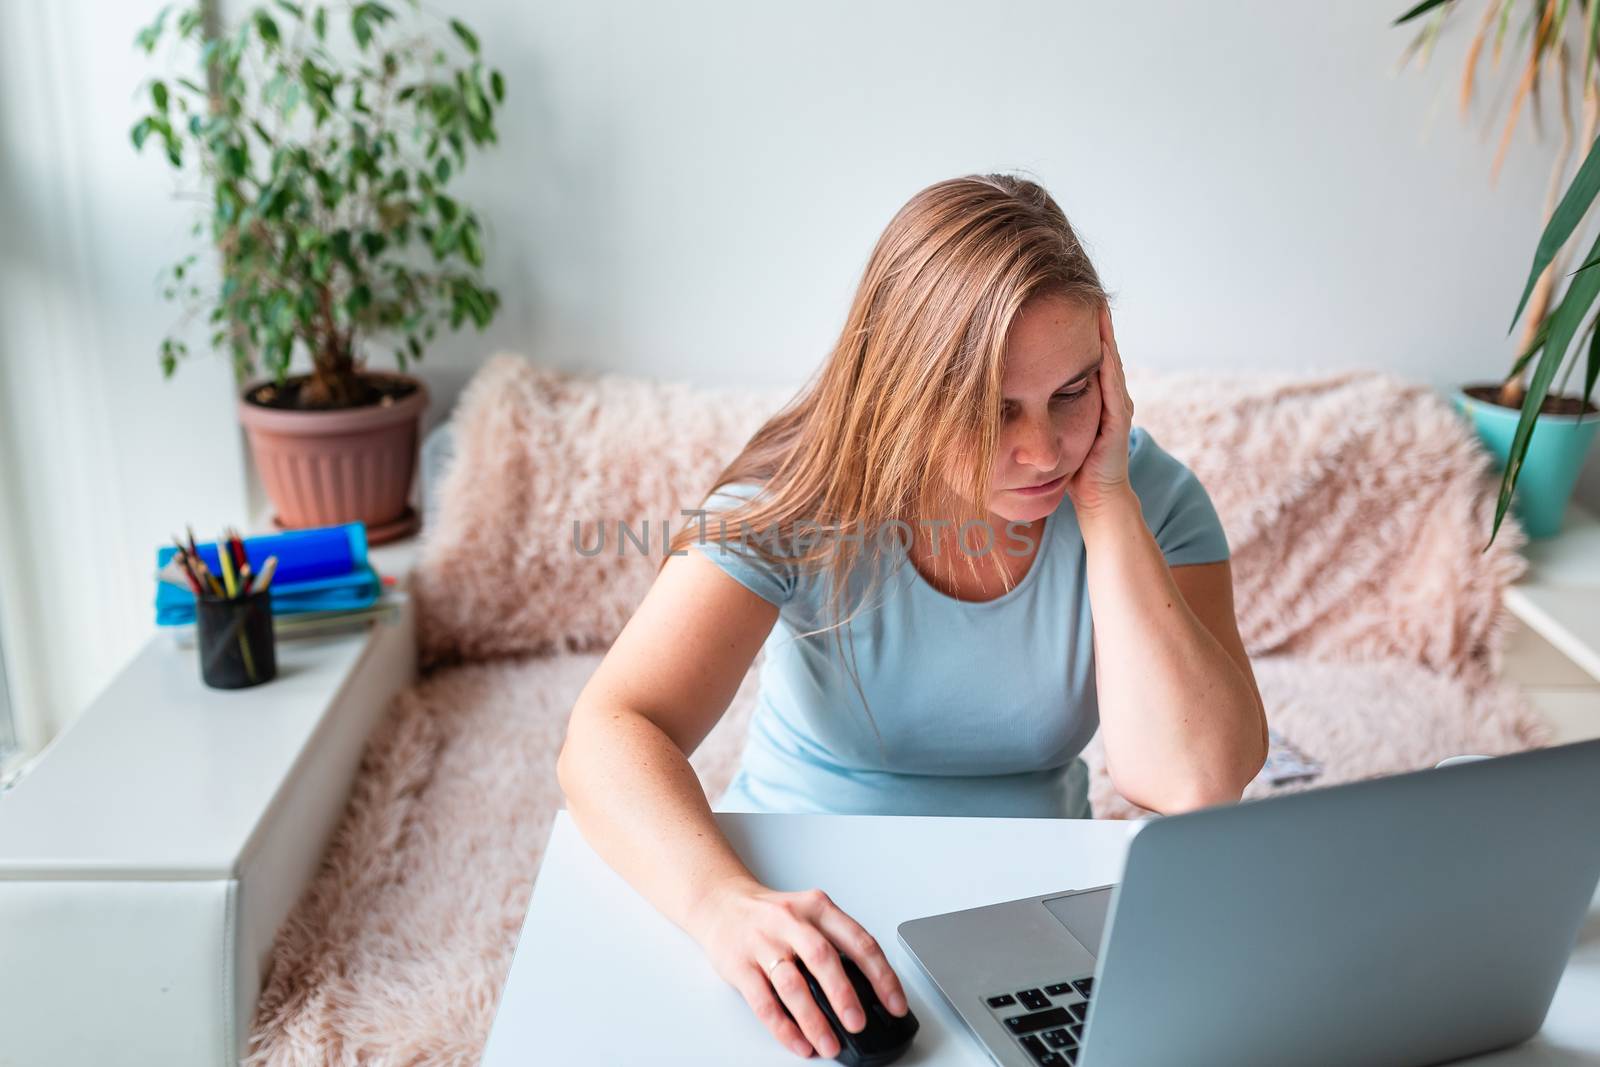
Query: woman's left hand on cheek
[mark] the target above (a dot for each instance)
(1104, 473)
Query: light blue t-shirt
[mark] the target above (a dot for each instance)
(981, 708)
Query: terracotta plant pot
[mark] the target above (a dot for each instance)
(344, 465)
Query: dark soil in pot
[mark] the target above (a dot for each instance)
(1553, 405)
(370, 389)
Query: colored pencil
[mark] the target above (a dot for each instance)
(188, 572)
(209, 578)
(267, 570)
(223, 557)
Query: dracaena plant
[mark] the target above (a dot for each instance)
(325, 136)
(1552, 30)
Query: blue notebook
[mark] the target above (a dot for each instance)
(319, 569)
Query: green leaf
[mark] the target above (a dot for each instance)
(470, 245)
(1574, 205)
(267, 28)
(140, 131)
(319, 23)
(273, 88)
(468, 38)
(1564, 324)
(1591, 372)
(360, 298)
(1421, 9)
(477, 106)
(497, 85)
(1596, 260)
(294, 9)
(444, 240)
(341, 247)
(359, 27)
(1534, 345)
(158, 94)
(147, 37)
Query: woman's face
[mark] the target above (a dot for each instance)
(1050, 410)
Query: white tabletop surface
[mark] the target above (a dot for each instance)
(164, 777)
(601, 977)
(1558, 595)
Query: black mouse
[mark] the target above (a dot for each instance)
(886, 1036)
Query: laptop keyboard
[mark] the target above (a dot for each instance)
(1047, 1022)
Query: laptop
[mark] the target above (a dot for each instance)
(1404, 920)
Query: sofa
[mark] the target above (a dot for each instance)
(1357, 506)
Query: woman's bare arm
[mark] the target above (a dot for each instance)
(661, 688)
(1182, 718)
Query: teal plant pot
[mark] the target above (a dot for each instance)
(1556, 453)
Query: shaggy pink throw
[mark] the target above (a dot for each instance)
(1356, 506)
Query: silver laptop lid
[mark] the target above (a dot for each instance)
(1401, 920)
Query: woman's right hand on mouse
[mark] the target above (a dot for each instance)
(743, 927)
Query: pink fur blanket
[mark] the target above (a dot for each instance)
(1355, 505)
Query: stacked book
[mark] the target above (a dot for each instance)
(323, 583)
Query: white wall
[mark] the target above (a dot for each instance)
(690, 191)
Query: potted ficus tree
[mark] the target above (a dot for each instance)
(326, 135)
(1507, 413)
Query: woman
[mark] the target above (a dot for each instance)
(896, 538)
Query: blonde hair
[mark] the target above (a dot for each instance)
(912, 388)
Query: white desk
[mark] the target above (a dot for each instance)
(1553, 652)
(601, 977)
(1559, 596)
(148, 859)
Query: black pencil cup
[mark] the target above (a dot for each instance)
(235, 638)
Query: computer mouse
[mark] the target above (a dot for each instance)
(886, 1036)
